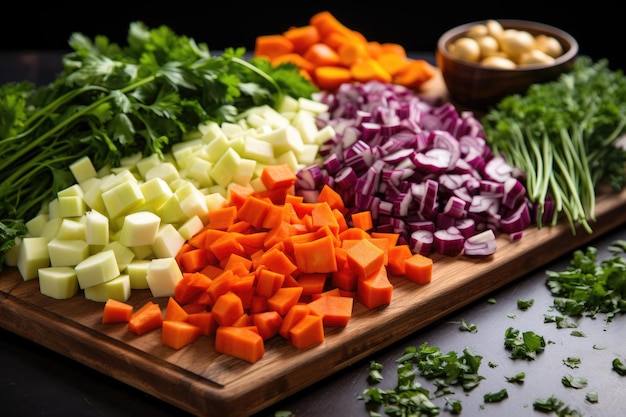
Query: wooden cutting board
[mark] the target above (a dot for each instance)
(205, 383)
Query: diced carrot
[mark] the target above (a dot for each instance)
(116, 311)
(246, 297)
(354, 233)
(296, 313)
(268, 323)
(330, 77)
(244, 283)
(240, 226)
(375, 290)
(237, 194)
(205, 321)
(227, 308)
(374, 48)
(211, 270)
(331, 197)
(222, 218)
(307, 332)
(326, 23)
(345, 278)
(279, 233)
(193, 308)
(268, 282)
(283, 299)
(397, 255)
(192, 260)
(335, 310)
(365, 258)
(352, 52)
(252, 242)
(174, 311)
(254, 211)
(240, 342)
(277, 176)
(278, 261)
(312, 283)
(302, 37)
(322, 215)
(394, 48)
(148, 317)
(221, 284)
(245, 320)
(368, 69)
(317, 256)
(415, 73)
(258, 305)
(392, 62)
(177, 334)
(418, 268)
(363, 220)
(226, 245)
(271, 46)
(391, 237)
(235, 258)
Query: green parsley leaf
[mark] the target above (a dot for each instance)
(619, 367)
(493, 397)
(519, 377)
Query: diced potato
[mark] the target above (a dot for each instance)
(33, 255)
(139, 229)
(58, 282)
(118, 289)
(65, 252)
(96, 269)
(163, 275)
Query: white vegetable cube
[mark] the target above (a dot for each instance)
(83, 169)
(96, 228)
(92, 194)
(199, 169)
(74, 189)
(123, 254)
(96, 269)
(137, 272)
(36, 225)
(51, 228)
(58, 282)
(53, 208)
(143, 252)
(313, 106)
(284, 139)
(246, 171)
(167, 171)
(71, 206)
(216, 146)
(144, 164)
(33, 255)
(72, 229)
(118, 289)
(225, 167)
(308, 155)
(122, 198)
(171, 212)
(192, 226)
(216, 200)
(231, 129)
(114, 179)
(288, 105)
(155, 191)
(64, 252)
(324, 134)
(139, 228)
(11, 255)
(258, 150)
(305, 122)
(290, 159)
(237, 143)
(168, 242)
(162, 276)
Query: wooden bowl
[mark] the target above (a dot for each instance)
(473, 86)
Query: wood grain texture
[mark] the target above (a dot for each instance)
(205, 383)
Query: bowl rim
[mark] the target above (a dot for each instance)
(534, 26)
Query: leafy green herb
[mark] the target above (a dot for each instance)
(494, 397)
(525, 304)
(563, 136)
(512, 315)
(375, 374)
(454, 405)
(619, 367)
(491, 300)
(468, 327)
(574, 382)
(113, 101)
(577, 333)
(548, 404)
(492, 364)
(589, 286)
(524, 345)
(592, 397)
(572, 362)
(519, 377)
